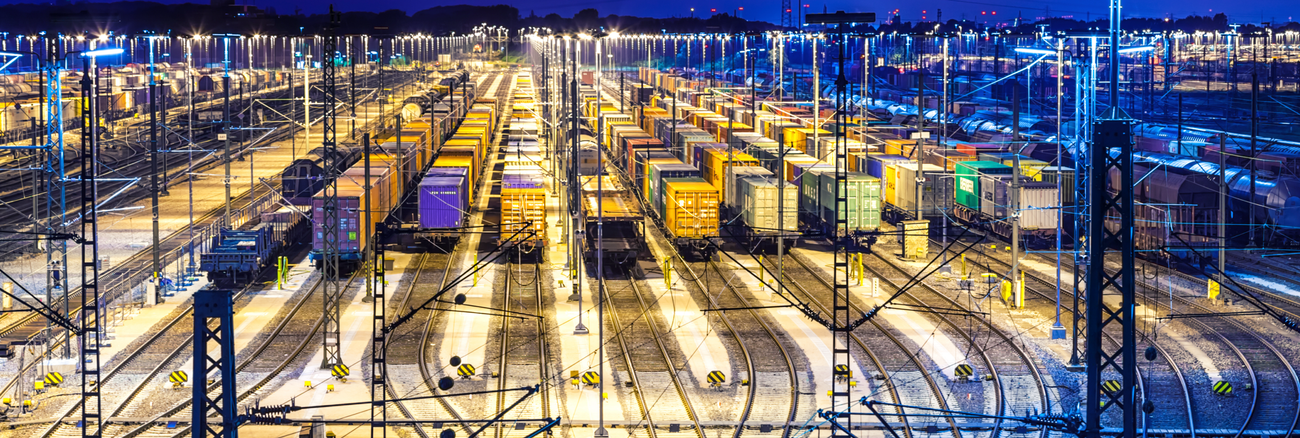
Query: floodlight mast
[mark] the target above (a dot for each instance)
(841, 320)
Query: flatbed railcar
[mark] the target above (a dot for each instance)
(236, 257)
(614, 220)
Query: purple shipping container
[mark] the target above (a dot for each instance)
(443, 201)
(348, 232)
(697, 156)
(523, 181)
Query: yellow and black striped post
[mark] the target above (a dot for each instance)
(53, 379)
(842, 372)
(465, 370)
(717, 378)
(178, 378)
(1223, 387)
(341, 372)
(1111, 386)
(963, 371)
(590, 378)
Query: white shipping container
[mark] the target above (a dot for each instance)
(993, 195)
(761, 205)
(931, 194)
(1039, 203)
(736, 198)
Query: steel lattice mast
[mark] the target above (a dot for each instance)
(841, 317)
(1106, 361)
(331, 287)
(90, 329)
(55, 169)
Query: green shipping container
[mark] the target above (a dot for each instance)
(967, 190)
(863, 192)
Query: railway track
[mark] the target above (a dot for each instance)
(131, 271)
(904, 372)
(408, 345)
(758, 340)
(523, 358)
(1167, 386)
(163, 351)
(1019, 385)
(647, 362)
(255, 369)
(1274, 406)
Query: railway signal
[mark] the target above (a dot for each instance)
(465, 371)
(178, 378)
(590, 378)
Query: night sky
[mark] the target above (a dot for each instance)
(767, 10)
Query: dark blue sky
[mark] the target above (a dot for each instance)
(1278, 11)
(1241, 11)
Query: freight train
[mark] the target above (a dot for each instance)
(403, 159)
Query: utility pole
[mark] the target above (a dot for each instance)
(330, 287)
(54, 174)
(1223, 209)
(225, 121)
(1254, 151)
(92, 336)
(156, 278)
(1014, 210)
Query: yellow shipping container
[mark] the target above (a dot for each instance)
(715, 166)
(460, 161)
(1029, 167)
(518, 208)
(790, 162)
(691, 208)
(895, 146)
(891, 183)
(799, 138)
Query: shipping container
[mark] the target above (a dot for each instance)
(523, 207)
(656, 175)
(876, 163)
(1066, 175)
(966, 189)
(936, 190)
(734, 197)
(443, 201)
(690, 208)
(760, 202)
(716, 162)
(947, 158)
(1039, 206)
(862, 193)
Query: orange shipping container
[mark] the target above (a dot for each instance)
(519, 206)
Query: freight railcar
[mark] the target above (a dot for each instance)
(983, 201)
(236, 257)
(614, 220)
